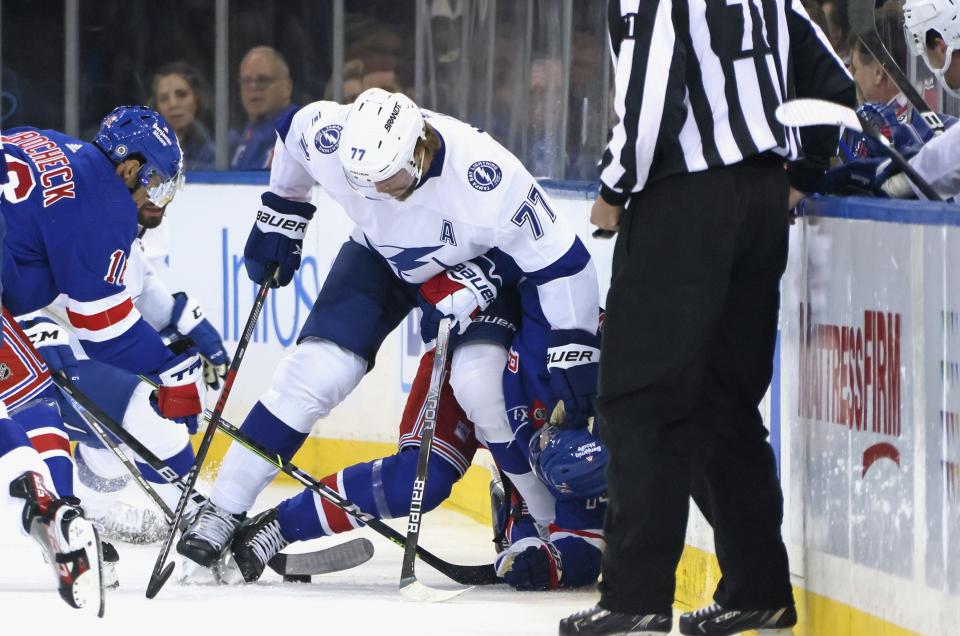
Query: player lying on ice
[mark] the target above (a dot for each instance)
(566, 553)
(427, 194)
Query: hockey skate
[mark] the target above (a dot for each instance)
(597, 621)
(209, 534)
(127, 523)
(256, 542)
(714, 620)
(69, 542)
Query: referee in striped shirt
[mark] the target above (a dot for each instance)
(708, 177)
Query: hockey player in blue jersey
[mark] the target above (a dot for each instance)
(71, 217)
(429, 195)
(57, 524)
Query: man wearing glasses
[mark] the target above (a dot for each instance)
(265, 88)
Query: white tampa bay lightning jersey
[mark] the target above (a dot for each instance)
(475, 196)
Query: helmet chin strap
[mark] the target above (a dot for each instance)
(940, 73)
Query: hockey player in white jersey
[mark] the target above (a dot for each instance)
(428, 194)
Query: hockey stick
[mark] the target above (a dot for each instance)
(160, 573)
(410, 587)
(817, 112)
(863, 23)
(60, 379)
(463, 574)
(339, 557)
(101, 418)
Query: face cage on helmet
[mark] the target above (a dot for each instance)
(163, 193)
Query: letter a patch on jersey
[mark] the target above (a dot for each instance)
(447, 235)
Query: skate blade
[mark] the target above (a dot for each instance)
(226, 571)
(192, 573)
(87, 591)
(780, 631)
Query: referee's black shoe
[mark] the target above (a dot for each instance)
(597, 621)
(714, 620)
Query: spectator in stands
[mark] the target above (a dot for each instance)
(352, 80)
(181, 96)
(838, 26)
(888, 110)
(883, 102)
(265, 89)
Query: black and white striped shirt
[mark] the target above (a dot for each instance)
(698, 81)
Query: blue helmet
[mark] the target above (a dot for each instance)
(571, 462)
(138, 131)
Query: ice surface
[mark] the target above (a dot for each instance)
(361, 601)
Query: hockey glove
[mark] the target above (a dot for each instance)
(902, 136)
(188, 320)
(864, 175)
(531, 564)
(277, 237)
(52, 342)
(460, 293)
(177, 397)
(573, 360)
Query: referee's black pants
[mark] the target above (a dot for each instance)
(687, 355)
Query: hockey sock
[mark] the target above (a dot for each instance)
(381, 488)
(91, 473)
(243, 475)
(17, 456)
(43, 425)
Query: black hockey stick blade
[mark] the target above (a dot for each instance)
(818, 112)
(333, 559)
(157, 582)
(160, 574)
(863, 22)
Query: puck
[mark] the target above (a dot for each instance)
(296, 578)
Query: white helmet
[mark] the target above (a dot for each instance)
(378, 140)
(942, 16)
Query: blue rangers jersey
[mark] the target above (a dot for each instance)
(475, 196)
(70, 225)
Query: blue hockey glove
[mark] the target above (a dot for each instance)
(178, 396)
(531, 564)
(461, 292)
(188, 320)
(52, 342)
(903, 136)
(573, 360)
(277, 237)
(864, 175)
